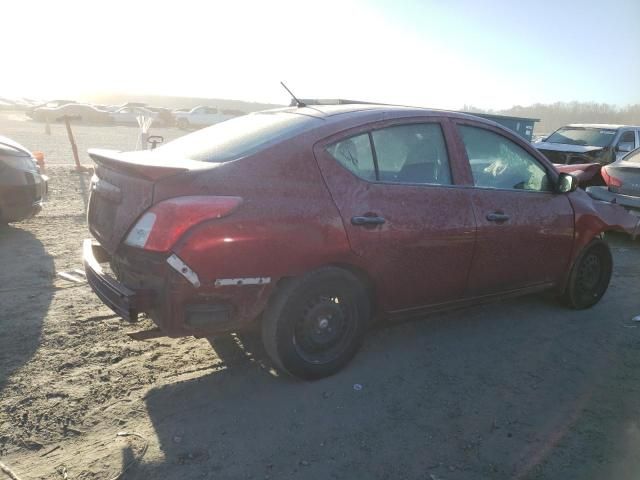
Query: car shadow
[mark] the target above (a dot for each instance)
(487, 392)
(26, 291)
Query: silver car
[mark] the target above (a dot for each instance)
(623, 182)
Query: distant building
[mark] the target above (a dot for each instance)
(523, 126)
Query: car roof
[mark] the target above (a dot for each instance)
(600, 125)
(340, 111)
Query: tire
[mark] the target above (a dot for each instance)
(182, 123)
(590, 276)
(315, 324)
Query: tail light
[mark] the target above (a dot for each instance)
(162, 225)
(609, 179)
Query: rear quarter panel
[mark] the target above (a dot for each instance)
(287, 224)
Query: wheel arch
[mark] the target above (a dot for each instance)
(362, 275)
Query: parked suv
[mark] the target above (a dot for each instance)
(315, 220)
(589, 143)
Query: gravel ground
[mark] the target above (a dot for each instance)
(520, 389)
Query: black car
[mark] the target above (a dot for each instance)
(22, 187)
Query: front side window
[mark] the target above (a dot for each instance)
(497, 162)
(628, 139)
(414, 154)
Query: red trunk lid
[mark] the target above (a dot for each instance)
(122, 189)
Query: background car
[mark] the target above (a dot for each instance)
(589, 143)
(622, 179)
(22, 187)
(129, 116)
(50, 104)
(201, 116)
(314, 220)
(78, 112)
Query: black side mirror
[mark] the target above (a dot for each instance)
(567, 183)
(154, 140)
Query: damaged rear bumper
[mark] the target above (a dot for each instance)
(171, 294)
(118, 297)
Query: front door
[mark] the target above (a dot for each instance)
(525, 229)
(410, 226)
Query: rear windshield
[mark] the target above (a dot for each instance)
(633, 157)
(594, 137)
(238, 137)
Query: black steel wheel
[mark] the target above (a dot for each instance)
(315, 324)
(590, 276)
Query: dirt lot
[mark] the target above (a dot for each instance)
(522, 389)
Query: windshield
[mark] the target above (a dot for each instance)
(238, 137)
(595, 137)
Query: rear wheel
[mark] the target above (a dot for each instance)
(590, 276)
(315, 324)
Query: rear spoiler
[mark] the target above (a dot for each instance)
(136, 163)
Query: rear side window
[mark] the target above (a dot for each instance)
(238, 137)
(497, 162)
(414, 154)
(356, 155)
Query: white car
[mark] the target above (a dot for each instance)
(201, 116)
(129, 115)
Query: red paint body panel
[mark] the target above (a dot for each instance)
(435, 247)
(532, 247)
(422, 253)
(593, 217)
(286, 225)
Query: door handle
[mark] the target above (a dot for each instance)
(497, 217)
(359, 221)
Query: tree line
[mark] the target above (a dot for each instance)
(555, 115)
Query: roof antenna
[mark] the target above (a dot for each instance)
(299, 103)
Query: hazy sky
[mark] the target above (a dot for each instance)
(491, 54)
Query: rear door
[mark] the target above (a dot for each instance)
(411, 227)
(524, 229)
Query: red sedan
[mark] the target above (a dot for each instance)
(315, 220)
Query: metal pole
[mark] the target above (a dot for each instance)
(74, 147)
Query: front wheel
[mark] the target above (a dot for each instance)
(590, 276)
(315, 324)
